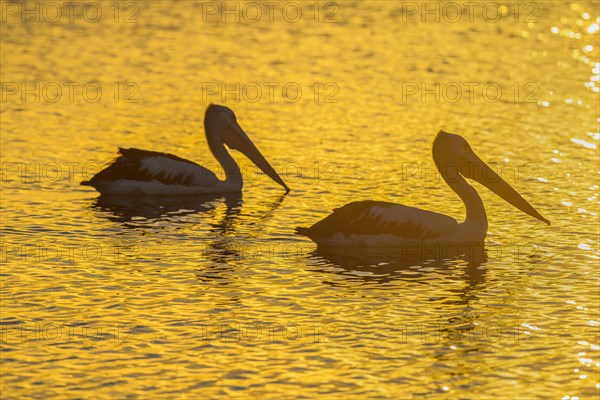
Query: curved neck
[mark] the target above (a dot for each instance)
(474, 205)
(232, 170)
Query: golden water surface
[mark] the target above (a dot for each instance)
(216, 297)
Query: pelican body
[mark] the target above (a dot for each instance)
(142, 172)
(379, 223)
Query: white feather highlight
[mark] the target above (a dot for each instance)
(170, 168)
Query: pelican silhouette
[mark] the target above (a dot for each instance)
(142, 172)
(379, 223)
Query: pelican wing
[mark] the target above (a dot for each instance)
(147, 166)
(381, 218)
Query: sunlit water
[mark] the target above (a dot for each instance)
(216, 297)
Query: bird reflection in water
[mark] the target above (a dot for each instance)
(409, 261)
(218, 246)
(218, 249)
(132, 211)
(146, 213)
(223, 253)
(385, 269)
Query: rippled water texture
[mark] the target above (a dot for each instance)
(216, 297)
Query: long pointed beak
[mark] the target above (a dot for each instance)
(482, 173)
(237, 139)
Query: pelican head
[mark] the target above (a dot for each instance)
(222, 121)
(453, 155)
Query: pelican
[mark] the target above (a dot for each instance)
(141, 172)
(379, 223)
